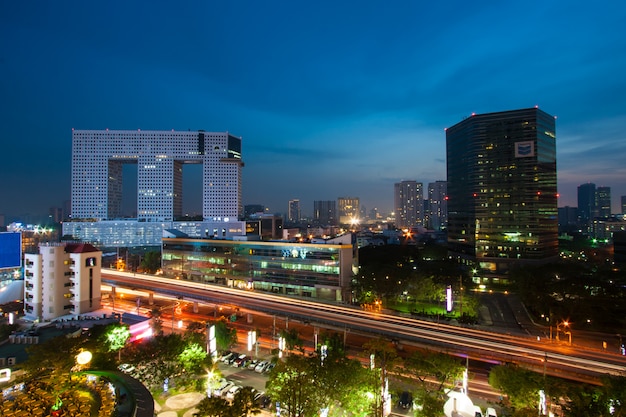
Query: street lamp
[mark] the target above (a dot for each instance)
(566, 330)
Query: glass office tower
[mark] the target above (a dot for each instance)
(502, 191)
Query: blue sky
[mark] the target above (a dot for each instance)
(331, 98)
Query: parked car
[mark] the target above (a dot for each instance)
(223, 389)
(230, 395)
(223, 355)
(253, 363)
(232, 359)
(126, 368)
(269, 367)
(239, 360)
(406, 400)
(228, 357)
(260, 368)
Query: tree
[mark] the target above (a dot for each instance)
(116, 337)
(157, 320)
(445, 369)
(225, 336)
(151, 262)
(520, 385)
(214, 407)
(292, 339)
(244, 403)
(293, 385)
(385, 358)
(55, 357)
(193, 358)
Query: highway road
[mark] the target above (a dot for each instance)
(572, 362)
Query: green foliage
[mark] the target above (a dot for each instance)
(151, 262)
(53, 358)
(293, 383)
(520, 385)
(225, 335)
(429, 365)
(292, 339)
(116, 336)
(431, 403)
(193, 358)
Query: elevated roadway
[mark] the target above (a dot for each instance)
(570, 362)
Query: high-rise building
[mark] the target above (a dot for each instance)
(603, 199)
(587, 203)
(409, 203)
(325, 212)
(293, 212)
(502, 189)
(98, 157)
(349, 209)
(437, 205)
(624, 204)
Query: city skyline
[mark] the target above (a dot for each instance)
(329, 100)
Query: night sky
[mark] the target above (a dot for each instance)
(331, 98)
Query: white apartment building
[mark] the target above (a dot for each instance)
(98, 157)
(61, 279)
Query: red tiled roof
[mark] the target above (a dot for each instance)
(80, 248)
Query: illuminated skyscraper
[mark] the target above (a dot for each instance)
(502, 195)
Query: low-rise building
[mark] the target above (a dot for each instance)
(322, 270)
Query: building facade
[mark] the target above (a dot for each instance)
(437, 205)
(349, 210)
(293, 211)
(604, 202)
(409, 204)
(61, 279)
(325, 212)
(98, 157)
(317, 270)
(502, 189)
(587, 203)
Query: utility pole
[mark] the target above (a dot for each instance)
(461, 295)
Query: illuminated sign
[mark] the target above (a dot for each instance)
(524, 149)
(295, 253)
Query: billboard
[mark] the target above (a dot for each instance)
(10, 250)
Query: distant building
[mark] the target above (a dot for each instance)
(502, 189)
(61, 279)
(265, 226)
(603, 228)
(568, 219)
(619, 249)
(603, 200)
(325, 212)
(437, 205)
(293, 213)
(250, 209)
(624, 204)
(98, 157)
(409, 204)
(587, 203)
(349, 209)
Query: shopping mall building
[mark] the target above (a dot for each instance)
(321, 270)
